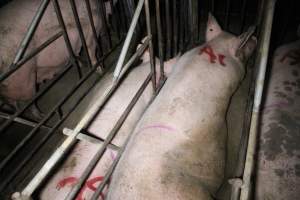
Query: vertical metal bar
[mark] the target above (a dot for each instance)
(169, 29)
(31, 30)
(194, 18)
(175, 27)
(261, 62)
(181, 24)
(149, 33)
(105, 27)
(88, 7)
(65, 35)
(160, 40)
(81, 34)
(228, 2)
(212, 6)
(128, 39)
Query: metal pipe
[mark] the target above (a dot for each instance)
(31, 30)
(194, 23)
(30, 55)
(228, 2)
(160, 40)
(88, 7)
(168, 29)
(118, 125)
(105, 27)
(261, 62)
(128, 39)
(149, 33)
(81, 34)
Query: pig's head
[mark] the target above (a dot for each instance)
(240, 47)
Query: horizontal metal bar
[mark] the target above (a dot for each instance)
(88, 138)
(22, 121)
(108, 140)
(128, 39)
(31, 30)
(30, 55)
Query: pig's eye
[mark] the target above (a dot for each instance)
(211, 29)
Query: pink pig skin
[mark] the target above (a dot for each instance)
(177, 150)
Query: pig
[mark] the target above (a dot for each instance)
(68, 174)
(278, 164)
(177, 149)
(15, 17)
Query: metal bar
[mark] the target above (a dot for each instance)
(89, 138)
(81, 34)
(30, 55)
(31, 30)
(128, 39)
(194, 24)
(181, 25)
(88, 7)
(261, 62)
(152, 59)
(175, 28)
(23, 121)
(160, 40)
(111, 135)
(108, 140)
(41, 142)
(168, 29)
(212, 6)
(71, 140)
(103, 18)
(228, 2)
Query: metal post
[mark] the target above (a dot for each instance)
(160, 41)
(175, 28)
(152, 60)
(261, 62)
(169, 29)
(128, 39)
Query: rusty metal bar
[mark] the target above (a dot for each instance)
(261, 63)
(175, 28)
(111, 135)
(31, 30)
(160, 40)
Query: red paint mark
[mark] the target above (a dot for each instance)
(212, 56)
(66, 181)
(89, 184)
(221, 59)
(294, 55)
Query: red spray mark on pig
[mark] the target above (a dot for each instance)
(293, 55)
(158, 126)
(212, 56)
(89, 184)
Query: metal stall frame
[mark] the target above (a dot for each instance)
(74, 134)
(22, 56)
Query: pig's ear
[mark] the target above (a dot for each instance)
(213, 28)
(245, 44)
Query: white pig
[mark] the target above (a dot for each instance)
(15, 18)
(278, 171)
(68, 174)
(177, 150)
